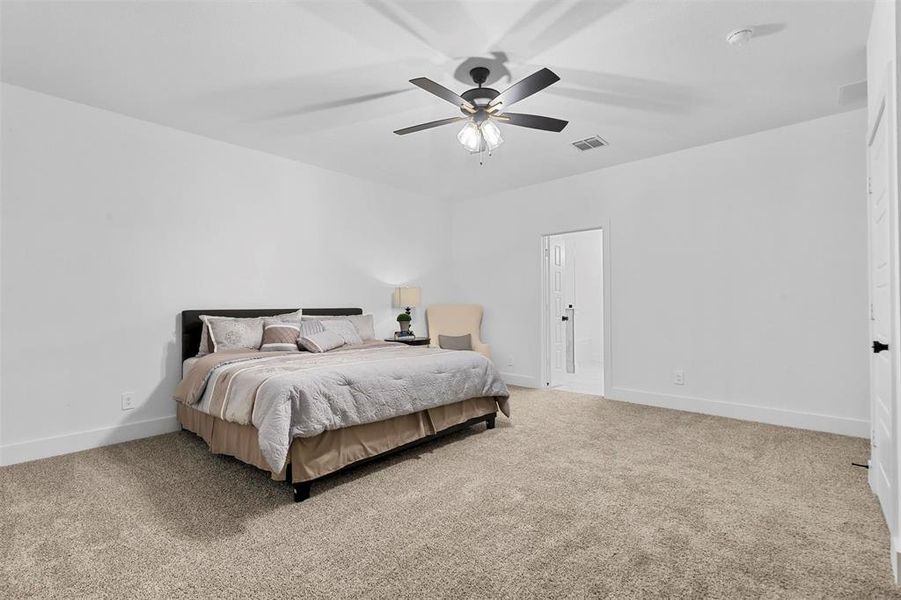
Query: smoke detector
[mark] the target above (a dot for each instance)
(740, 37)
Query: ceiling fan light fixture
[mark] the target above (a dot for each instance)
(470, 137)
(492, 134)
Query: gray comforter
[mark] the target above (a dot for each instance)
(288, 395)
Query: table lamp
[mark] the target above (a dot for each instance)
(406, 298)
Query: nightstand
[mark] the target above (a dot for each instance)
(411, 341)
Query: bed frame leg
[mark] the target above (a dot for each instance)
(489, 422)
(301, 490)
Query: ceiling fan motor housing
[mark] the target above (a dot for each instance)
(479, 97)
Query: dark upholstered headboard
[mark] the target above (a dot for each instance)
(192, 326)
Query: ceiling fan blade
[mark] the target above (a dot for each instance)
(442, 92)
(526, 87)
(429, 125)
(533, 121)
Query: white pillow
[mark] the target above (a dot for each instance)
(321, 342)
(365, 325)
(344, 328)
(204, 338)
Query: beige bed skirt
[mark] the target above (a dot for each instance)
(331, 450)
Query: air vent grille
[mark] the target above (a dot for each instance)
(590, 143)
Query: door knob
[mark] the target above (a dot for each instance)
(879, 347)
(564, 318)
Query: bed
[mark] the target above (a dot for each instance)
(304, 416)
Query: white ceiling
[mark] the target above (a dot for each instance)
(326, 82)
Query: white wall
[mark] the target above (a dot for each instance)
(742, 262)
(111, 226)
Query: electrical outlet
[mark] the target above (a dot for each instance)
(128, 400)
(509, 361)
(679, 377)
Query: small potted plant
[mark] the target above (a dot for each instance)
(403, 319)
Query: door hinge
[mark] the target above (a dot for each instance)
(872, 317)
(869, 185)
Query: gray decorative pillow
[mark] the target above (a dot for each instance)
(206, 346)
(455, 342)
(235, 334)
(309, 327)
(364, 324)
(280, 336)
(345, 329)
(322, 341)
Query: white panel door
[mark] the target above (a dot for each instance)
(557, 271)
(574, 311)
(883, 309)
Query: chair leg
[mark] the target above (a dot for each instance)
(489, 422)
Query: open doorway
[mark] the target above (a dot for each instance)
(573, 307)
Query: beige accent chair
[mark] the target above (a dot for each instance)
(456, 319)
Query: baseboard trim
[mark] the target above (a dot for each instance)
(745, 412)
(20, 452)
(521, 380)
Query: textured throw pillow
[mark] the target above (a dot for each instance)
(322, 341)
(235, 334)
(308, 327)
(280, 336)
(455, 342)
(206, 345)
(345, 329)
(364, 324)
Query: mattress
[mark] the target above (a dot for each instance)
(187, 364)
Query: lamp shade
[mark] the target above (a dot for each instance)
(406, 296)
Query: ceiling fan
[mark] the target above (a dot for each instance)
(483, 108)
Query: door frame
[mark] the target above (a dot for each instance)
(544, 333)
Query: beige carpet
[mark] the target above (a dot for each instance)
(576, 497)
